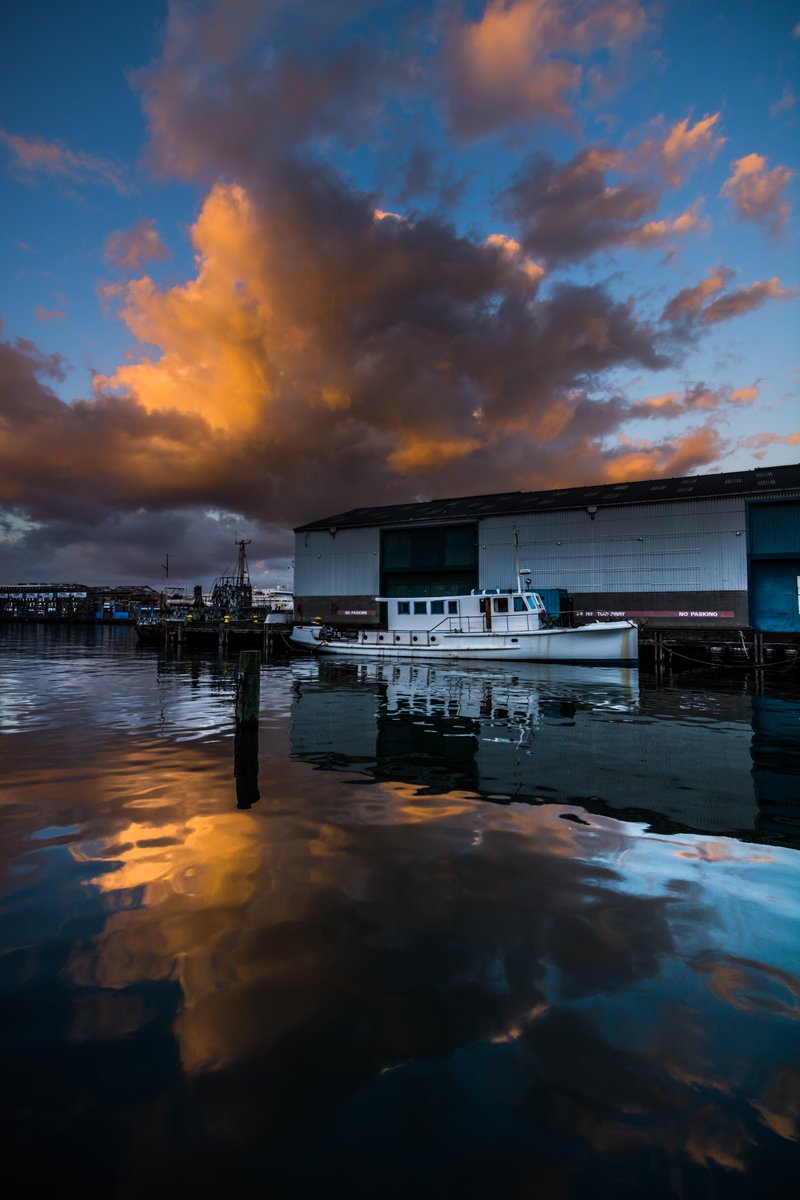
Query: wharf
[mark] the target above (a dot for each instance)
(680, 649)
(268, 637)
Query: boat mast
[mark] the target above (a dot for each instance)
(516, 559)
(241, 574)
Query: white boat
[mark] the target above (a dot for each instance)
(509, 625)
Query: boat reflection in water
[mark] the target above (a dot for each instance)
(534, 733)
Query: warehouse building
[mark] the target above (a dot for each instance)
(701, 552)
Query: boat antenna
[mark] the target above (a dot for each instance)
(516, 559)
(165, 565)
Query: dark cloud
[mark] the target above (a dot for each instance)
(566, 212)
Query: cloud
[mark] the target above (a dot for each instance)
(698, 398)
(48, 314)
(518, 61)
(681, 455)
(757, 194)
(787, 102)
(321, 351)
(689, 301)
(34, 157)
(568, 212)
(131, 248)
(659, 232)
(746, 299)
(686, 144)
(697, 304)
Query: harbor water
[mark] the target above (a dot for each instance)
(494, 932)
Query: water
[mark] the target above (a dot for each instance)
(524, 932)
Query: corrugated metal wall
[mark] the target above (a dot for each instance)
(345, 565)
(775, 527)
(691, 545)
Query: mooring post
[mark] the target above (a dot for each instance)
(248, 687)
(245, 765)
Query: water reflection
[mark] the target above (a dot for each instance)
(435, 933)
(680, 758)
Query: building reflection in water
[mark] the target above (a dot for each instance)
(538, 733)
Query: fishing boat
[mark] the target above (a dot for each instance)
(510, 625)
(232, 611)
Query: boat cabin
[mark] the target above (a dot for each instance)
(493, 609)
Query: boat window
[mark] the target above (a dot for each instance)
(437, 606)
(531, 603)
(501, 605)
(420, 606)
(403, 607)
(452, 606)
(519, 604)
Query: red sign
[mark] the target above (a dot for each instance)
(718, 614)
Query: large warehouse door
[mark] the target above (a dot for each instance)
(775, 566)
(439, 560)
(775, 595)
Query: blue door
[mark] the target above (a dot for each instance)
(775, 595)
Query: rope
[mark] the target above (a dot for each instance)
(749, 666)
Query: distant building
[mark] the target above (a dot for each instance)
(705, 551)
(75, 602)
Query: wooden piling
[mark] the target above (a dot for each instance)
(248, 687)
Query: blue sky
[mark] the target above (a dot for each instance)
(267, 259)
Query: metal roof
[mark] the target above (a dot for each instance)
(763, 481)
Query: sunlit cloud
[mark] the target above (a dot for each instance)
(517, 60)
(703, 302)
(686, 144)
(658, 232)
(48, 314)
(642, 459)
(757, 193)
(746, 299)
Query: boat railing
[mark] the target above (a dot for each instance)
(501, 623)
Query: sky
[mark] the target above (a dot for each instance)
(262, 261)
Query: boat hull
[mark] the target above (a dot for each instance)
(610, 642)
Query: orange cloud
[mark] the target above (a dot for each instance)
(685, 144)
(517, 61)
(757, 193)
(208, 331)
(745, 395)
(690, 300)
(647, 460)
(745, 299)
(654, 232)
(512, 250)
(416, 454)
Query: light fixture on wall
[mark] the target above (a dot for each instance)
(591, 510)
(332, 531)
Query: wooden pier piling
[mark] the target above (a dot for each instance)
(248, 687)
